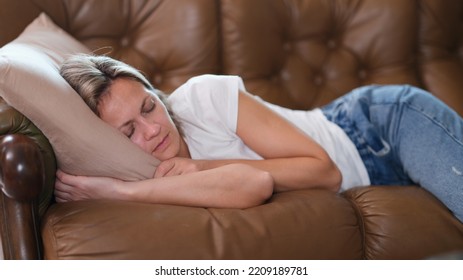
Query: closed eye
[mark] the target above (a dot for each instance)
(129, 131)
(149, 104)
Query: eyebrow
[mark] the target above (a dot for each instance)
(141, 109)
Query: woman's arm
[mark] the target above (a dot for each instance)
(292, 158)
(228, 186)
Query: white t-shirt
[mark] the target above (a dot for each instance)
(206, 108)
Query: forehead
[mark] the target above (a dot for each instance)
(122, 101)
(126, 88)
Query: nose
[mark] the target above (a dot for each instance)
(149, 129)
(145, 131)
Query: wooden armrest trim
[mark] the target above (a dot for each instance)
(22, 178)
(21, 168)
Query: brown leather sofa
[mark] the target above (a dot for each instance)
(300, 54)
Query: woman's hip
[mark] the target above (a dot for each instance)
(377, 117)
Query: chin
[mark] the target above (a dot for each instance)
(163, 156)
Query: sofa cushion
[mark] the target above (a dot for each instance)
(306, 224)
(30, 82)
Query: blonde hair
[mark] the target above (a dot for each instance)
(91, 76)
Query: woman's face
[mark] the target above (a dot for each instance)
(142, 117)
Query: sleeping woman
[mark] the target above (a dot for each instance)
(220, 146)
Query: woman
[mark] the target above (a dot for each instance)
(234, 150)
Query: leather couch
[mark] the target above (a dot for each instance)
(300, 54)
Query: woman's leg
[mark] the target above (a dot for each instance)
(425, 136)
(430, 147)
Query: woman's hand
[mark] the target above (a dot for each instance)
(177, 166)
(71, 188)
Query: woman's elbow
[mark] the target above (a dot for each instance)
(257, 189)
(334, 178)
(265, 186)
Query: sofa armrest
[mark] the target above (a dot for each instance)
(13, 122)
(405, 222)
(27, 174)
(21, 181)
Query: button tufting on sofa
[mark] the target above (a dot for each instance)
(298, 54)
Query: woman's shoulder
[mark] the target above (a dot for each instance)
(207, 87)
(205, 78)
(212, 81)
(207, 97)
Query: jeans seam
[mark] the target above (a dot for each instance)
(423, 112)
(435, 121)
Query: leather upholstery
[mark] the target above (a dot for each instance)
(12, 122)
(170, 41)
(19, 189)
(441, 50)
(300, 54)
(276, 230)
(304, 54)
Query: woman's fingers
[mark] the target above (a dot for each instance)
(68, 179)
(62, 191)
(65, 187)
(164, 169)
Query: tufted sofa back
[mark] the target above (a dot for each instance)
(169, 41)
(441, 50)
(300, 54)
(305, 53)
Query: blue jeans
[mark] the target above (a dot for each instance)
(405, 136)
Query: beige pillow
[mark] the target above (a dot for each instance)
(30, 82)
